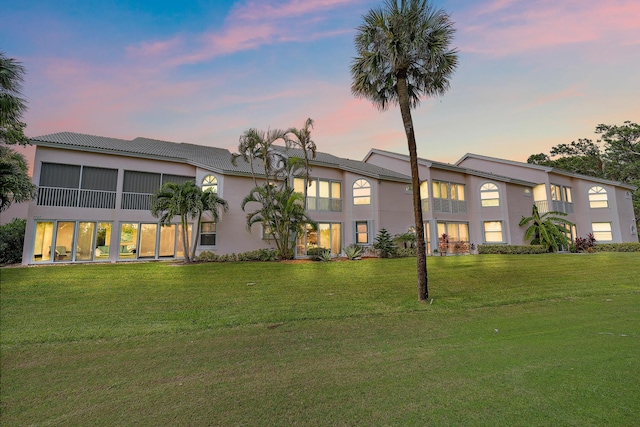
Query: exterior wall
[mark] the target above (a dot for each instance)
(620, 207)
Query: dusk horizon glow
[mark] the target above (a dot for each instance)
(531, 75)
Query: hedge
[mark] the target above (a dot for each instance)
(617, 247)
(512, 249)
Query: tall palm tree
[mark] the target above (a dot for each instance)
(402, 54)
(302, 139)
(549, 229)
(209, 202)
(181, 200)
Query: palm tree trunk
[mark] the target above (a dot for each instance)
(421, 256)
(185, 238)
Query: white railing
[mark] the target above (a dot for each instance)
(73, 197)
(448, 205)
(139, 201)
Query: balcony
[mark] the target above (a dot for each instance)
(76, 198)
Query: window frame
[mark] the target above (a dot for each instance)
(595, 197)
(210, 183)
(357, 198)
(598, 234)
(209, 233)
(359, 233)
(486, 233)
(489, 189)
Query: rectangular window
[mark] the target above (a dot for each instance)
(493, 232)
(457, 240)
(43, 241)
(602, 231)
(561, 198)
(77, 186)
(327, 236)
(449, 197)
(322, 194)
(362, 232)
(65, 232)
(103, 241)
(128, 240)
(208, 234)
(85, 246)
(167, 246)
(148, 240)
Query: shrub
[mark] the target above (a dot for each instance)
(405, 252)
(12, 241)
(257, 255)
(324, 256)
(512, 249)
(353, 252)
(384, 244)
(617, 247)
(583, 244)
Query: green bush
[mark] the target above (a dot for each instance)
(384, 244)
(617, 247)
(405, 252)
(257, 255)
(353, 252)
(314, 252)
(12, 241)
(324, 255)
(512, 249)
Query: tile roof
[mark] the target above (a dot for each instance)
(211, 158)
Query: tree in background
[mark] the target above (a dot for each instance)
(549, 229)
(15, 182)
(616, 156)
(403, 53)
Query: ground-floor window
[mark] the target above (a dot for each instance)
(208, 234)
(327, 236)
(362, 233)
(91, 241)
(493, 232)
(456, 239)
(602, 231)
(71, 241)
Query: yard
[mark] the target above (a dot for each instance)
(528, 340)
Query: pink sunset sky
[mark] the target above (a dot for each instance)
(532, 74)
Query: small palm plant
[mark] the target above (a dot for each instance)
(353, 252)
(549, 229)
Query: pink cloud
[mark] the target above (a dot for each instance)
(571, 92)
(248, 26)
(506, 27)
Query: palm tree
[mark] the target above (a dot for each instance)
(15, 183)
(209, 202)
(548, 229)
(181, 200)
(402, 54)
(283, 220)
(12, 105)
(303, 141)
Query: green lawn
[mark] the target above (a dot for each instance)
(534, 340)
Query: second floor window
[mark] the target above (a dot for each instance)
(598, 197)
(449, 197)
(210, 183)
(489, 195)
(561, 198)
(361, 192)
(322, 194)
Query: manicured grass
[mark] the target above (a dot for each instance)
(508, 340)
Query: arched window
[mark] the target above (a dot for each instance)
(489, 195)
(210, 183)
(361, 192)
(598, 197)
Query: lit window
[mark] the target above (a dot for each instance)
(362, 232)
(361, 192)
(602, 231)
(493, 232)
(489, 195)
(210, 183)
(598, 197)
(208, 234)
